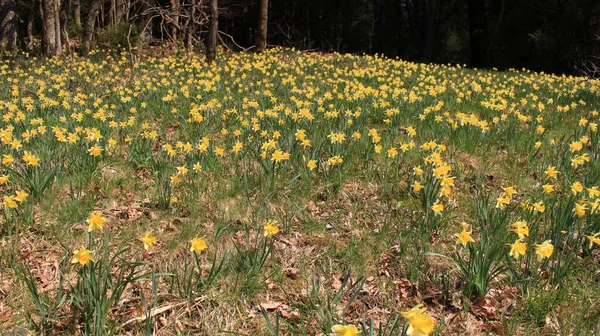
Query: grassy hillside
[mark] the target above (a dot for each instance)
(290, 192)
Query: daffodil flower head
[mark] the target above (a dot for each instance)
(270, 228)
(82, 256)
(521, 229)
(518, 249)
(420, 323)
(96, 221)
(544, 250)
(344, 330)
(594, 239)
(148, 241)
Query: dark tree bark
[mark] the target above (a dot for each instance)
(51, 25)
(261, 37)
(8, 25)
(478, 33)
(90, 25)
(213, 28)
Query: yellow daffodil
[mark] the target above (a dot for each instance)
(576, 188)
(579, 210)
(509, 191)
(517, 249)
(9, 202)
(21, 196)
(464, 237)
(82, 256)
(521, 229)
(344, 330)
(270, 228)
(96, 221)
(502, 201)
(544, 250)
(437, 208)
(7, 159)
(148, 241)
(95, 151)
(197, 245)
(594, 239)
(548, 188)
(30, 159)
(420, 323)
(417, 186)
(551, 172)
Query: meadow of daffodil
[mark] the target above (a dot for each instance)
(185, 195)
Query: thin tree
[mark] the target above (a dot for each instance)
(261, 37)
(213, 28)
(191, 25)
(90, 24)
(175, 13)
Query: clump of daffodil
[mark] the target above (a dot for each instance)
(335, 160)
(30, 159)
(9, 202)
(419, 322)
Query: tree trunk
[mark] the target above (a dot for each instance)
(213, 28)
(90, 25)
(57, 30)
(51, 27)
(478, 33)
(191, 26)
(77, 12)
(8, 25)
(29, 41)
(120, 11)
(174, 19)
(261, 37)
(64, 21)
(111, 12)
(116, 12)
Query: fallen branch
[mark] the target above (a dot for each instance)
(159, 310)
